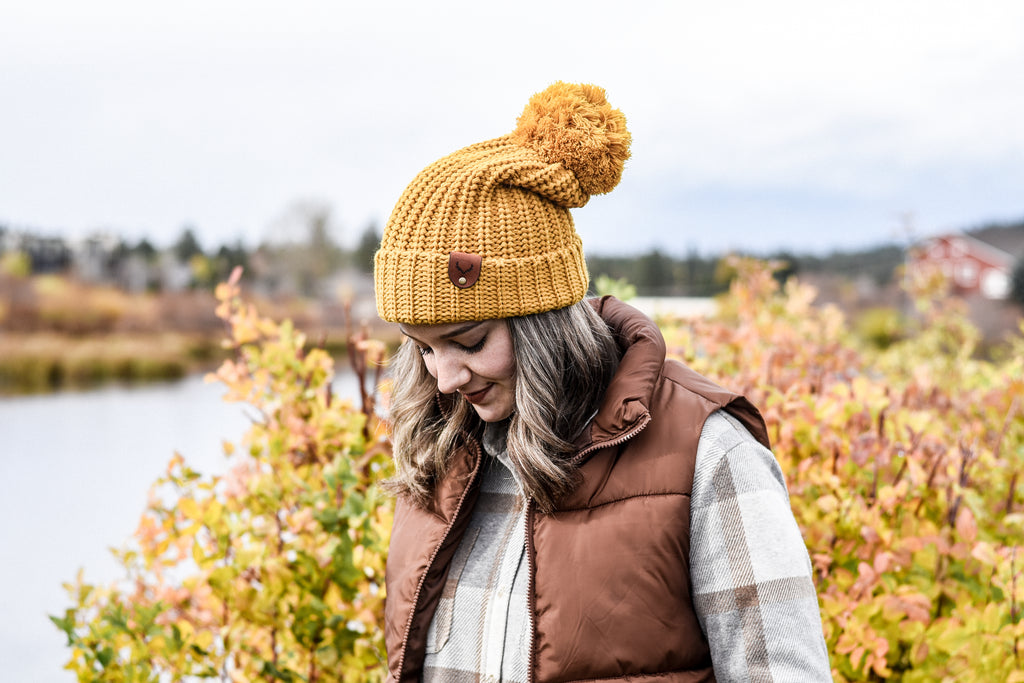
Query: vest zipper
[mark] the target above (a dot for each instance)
(433, 556)
(530, 512)
(614, 442)
(531, 598)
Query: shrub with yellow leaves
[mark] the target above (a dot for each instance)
(902, 466)
(274, 571)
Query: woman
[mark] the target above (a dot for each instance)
(571, 506)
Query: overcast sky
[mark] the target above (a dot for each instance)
(756, 125)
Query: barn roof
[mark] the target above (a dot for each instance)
(1007, 238)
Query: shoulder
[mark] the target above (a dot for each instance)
(678, 377)
(722, 431)
(729, 456)
(681, 388)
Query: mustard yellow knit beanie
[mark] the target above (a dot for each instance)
(486, 232)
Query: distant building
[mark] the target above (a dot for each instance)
(96, 257)
(174, 276)
(979, 262)
(46, 254)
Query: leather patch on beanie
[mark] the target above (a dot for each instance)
(463, 269)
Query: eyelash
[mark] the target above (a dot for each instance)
(475, 347)
(424, 350)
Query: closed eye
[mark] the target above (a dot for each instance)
(475, 347)
(425, 349)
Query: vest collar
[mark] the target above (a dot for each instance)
(626, 402)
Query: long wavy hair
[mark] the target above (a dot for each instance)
(565, 359)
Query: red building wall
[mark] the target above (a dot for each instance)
(972, 266)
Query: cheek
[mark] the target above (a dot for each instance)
(508, 372)
(503, 362)
(428, 363)
(503, 367)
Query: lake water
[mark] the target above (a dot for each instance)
(75, 469)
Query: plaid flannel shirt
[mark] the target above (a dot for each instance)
(481, 630)
(749, 568)
(750, 573)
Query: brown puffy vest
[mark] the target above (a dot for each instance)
(609, 568)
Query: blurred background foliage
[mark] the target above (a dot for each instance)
(902, 449)
(77, 313)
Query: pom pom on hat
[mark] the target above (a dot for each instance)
(574, 125)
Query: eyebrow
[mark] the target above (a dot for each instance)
(458, 331)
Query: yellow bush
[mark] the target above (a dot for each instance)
(903, 467)
(274, 571)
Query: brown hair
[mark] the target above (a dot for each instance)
(565, 359)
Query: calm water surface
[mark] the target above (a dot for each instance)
(75, 469)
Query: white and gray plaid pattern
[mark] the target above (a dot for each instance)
(480, 630)
(751, 576)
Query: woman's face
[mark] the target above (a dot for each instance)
(474, 359)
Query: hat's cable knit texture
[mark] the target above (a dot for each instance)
(507, 202)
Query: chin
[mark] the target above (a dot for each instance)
(492, 414)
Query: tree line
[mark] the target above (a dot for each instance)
(307, 253)
(658, 273)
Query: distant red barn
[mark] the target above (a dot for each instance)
(980, 263)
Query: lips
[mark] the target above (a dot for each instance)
(477, 396)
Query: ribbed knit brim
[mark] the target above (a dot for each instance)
(418, 290)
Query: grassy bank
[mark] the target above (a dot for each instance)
(58, 333)
(45, 361)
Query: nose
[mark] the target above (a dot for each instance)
(451, 372)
